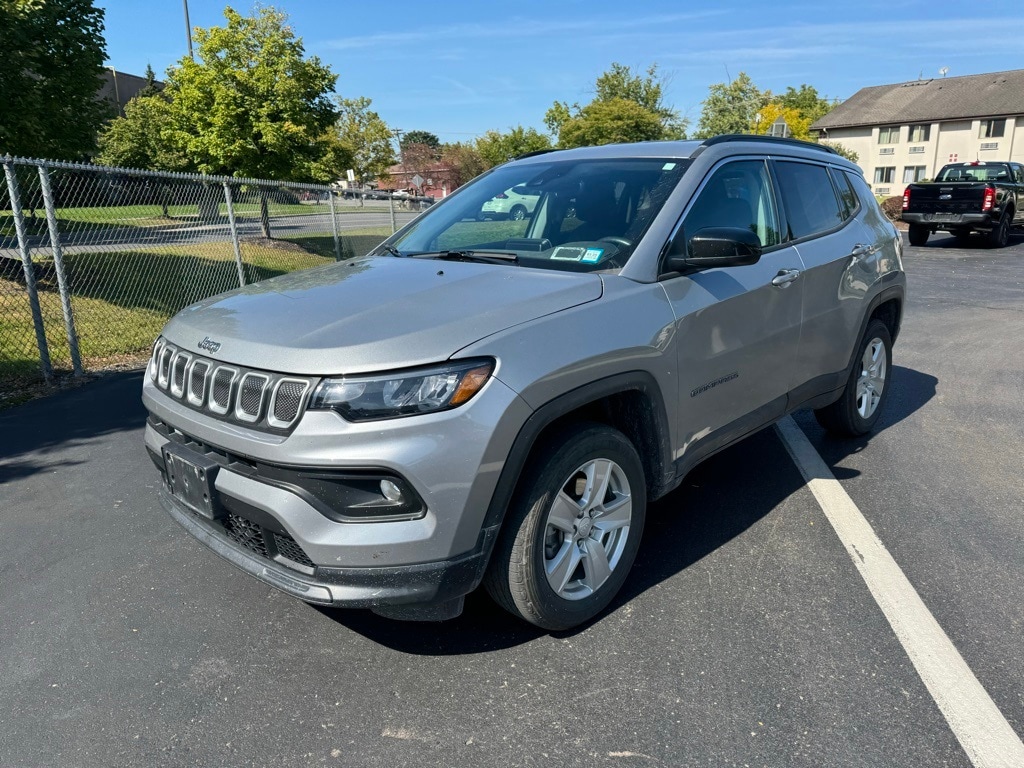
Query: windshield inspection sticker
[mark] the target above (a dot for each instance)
(568, 253)
(592, 255)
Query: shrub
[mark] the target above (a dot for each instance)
(892, 207)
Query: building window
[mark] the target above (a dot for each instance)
(912, 173)
(889, 135)
(987, 145)
(916, 150)
(992, 129)
(885, 175)
(919, 133)
(887, 151)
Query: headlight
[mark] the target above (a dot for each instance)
(403, 393)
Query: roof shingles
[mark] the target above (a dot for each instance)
(952, 98)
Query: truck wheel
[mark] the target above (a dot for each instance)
(573, 529)
(918, 234)
(518, 213)
(860, 405)
(999, 236)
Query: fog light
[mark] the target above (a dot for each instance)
(391, 491)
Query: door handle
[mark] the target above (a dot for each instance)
(860, 251)
(785, 277)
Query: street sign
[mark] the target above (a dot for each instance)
(417, 180)
(351, 174)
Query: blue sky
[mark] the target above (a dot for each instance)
(458, 69)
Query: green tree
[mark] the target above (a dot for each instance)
(422, 137)
(731, 107)
(621, 82)
(846, 152)
(806, 101)
(367, 137)
(150, 88)
(464, 161)
(496, 147)
(136, 140)
(51, 61)
(628, 106)
(253, 105)
(611, 122)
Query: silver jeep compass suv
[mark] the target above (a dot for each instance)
(497, 401)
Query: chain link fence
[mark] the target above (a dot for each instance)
(94, 260)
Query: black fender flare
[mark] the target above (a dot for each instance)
(551, 411)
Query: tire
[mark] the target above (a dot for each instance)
(563, 554)
(918, 234)
(867, 389)
(518, 213)
(999, 236)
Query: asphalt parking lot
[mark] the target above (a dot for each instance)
(746, 635)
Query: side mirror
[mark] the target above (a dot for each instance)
(714, 247)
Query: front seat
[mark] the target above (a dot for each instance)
(597, 208)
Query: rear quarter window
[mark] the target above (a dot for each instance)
(809, 198)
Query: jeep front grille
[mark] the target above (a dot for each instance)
(257, 399)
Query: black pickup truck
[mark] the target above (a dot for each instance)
(967, 197)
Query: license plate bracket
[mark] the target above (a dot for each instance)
(190, 478)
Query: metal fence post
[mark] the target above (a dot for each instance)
(30, 273)
(58, 266)
(391, 206)
(234, 233)
(334, 224)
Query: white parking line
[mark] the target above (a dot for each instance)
(983, 732)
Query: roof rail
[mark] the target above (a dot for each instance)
(769, 139)
(535, 153)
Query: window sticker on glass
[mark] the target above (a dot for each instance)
(592, 255)
(668, 166)
(568, 253)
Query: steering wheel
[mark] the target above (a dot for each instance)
(620, 241)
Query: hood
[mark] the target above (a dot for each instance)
(372, 314)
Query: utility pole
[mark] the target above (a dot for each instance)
(188, 31)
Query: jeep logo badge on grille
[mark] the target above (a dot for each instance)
(209, 344)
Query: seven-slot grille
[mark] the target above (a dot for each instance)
(259, 399)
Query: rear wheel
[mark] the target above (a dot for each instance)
(860, 405)
(918, 234)
(573, 530)
(518, 213)
(999, 236)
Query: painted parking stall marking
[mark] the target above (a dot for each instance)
(980, 727)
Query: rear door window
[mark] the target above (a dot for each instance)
(808, 198)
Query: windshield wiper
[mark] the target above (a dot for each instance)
(391, 249)
(486, 257)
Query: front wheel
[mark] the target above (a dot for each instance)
(860, 405)
(918, 234)
(518, 213)
(573, 530)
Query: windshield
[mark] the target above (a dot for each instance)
(974, 172)
(571, 215)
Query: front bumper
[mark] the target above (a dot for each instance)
(436, 582)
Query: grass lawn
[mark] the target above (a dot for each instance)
(103, 217)
(122, 299)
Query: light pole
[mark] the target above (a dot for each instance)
(188, 30)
